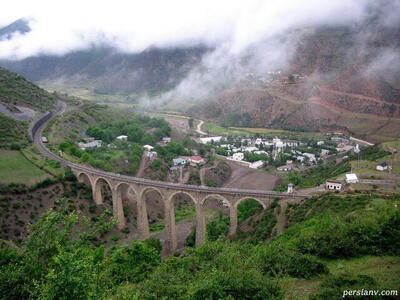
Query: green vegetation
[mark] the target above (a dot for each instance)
(248, 208)
(114, 158)
(186, 212)
(15, 168)
(13, 134)
(135, 128)
(16, 90)
(315, 176)
(57, 262)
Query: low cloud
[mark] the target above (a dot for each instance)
(59, 27)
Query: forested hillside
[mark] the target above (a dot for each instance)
(319, 256)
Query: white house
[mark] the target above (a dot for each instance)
(250, 149)
(166, 140)
(319, 143)
(151, 155)
(239, 156)
(324, 152)
(290, 188)
(258, 141)
(211, 139)
(300, 158)
(122, 138)
(148, 147)
(351, 178)
(257, 164)
(94, 144)
(310, 156)
(333, 185)
(284, 168)
(260, 152)
(195, 160)
(382, 166)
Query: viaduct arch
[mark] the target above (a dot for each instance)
(120, 185)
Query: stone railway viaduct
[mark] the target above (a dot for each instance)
(127, 187)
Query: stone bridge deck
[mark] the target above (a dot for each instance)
(127, 187)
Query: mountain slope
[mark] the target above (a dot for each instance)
(109, 71)
(16, 90)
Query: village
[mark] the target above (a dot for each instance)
(279, 155)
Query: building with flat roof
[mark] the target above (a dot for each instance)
(351, 178)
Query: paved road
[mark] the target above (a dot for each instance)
(37, 132)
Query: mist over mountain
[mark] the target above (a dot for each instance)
(245, 59)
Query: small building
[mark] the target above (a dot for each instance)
(357, 149)
(122, 138)
(344, 148)
(239, 156)
(284, 168)
(250, 149)
(333, 185)
(324, 152)
(148, 147)
(180, 161)
(351, 178)
(257, 164)
(212, 139)
(166, 140)
(151, 155)
(94, 144)
(44, 139)
(290, 188)
(319, 143)
(382, 166)
(195, 160)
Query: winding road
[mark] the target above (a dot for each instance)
(40, 124)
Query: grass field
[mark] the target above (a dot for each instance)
(34, 156)
(14, 167)
(213, 128)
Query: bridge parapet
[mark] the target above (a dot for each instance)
(122, 186)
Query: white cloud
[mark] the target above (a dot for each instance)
(59, 27)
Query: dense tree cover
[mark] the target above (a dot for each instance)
(248, 208)
(172, 150)
(60, 261)
(135, 128)
(252, 157)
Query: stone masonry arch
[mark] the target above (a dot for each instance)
(142, 219)
(170, 224)
(234, 214)
(96, 189)
(219, 197)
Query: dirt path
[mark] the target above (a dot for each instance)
(142, 166)
(25, 113)
(198, 128)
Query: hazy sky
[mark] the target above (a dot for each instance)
(131, 26)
